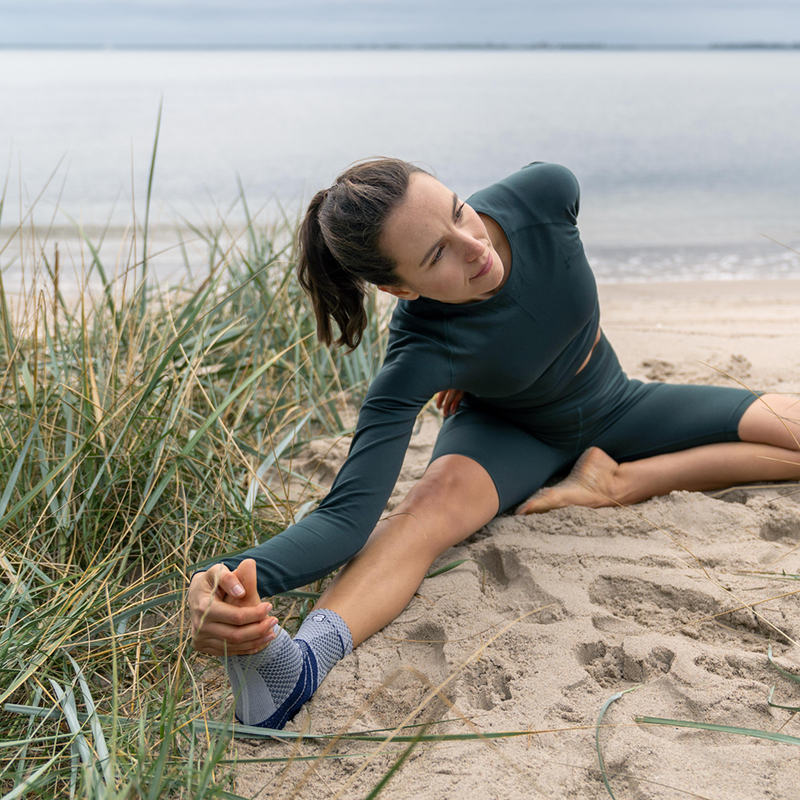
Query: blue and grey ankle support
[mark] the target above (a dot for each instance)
(271, 686)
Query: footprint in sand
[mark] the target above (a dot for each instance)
(422, 665)
(424, 650)
(782, 523)
(485, 684)
(745, 666)
(612, 665)
(516, 591)
(650, 604)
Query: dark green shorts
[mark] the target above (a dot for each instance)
(600, 406)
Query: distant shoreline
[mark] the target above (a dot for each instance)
(463, 46)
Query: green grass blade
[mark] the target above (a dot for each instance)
(395, 768)
(600, 759)
(454, 564)
(448, 567)
(100, 746)
(776, 705)
(294, 757)
(789, 675)
(164, 751)
(707, 726)
(67, 702)
(148, 200)
(14, 476)
(23, 746)
(779, 576)
(252, 732)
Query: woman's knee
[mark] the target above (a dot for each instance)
(454, 498)
(454, 487)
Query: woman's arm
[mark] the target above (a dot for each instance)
(340, 526)
(332, 534)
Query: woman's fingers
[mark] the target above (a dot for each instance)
(243, 628)
(218, 612)
(448, 401)
(248, 578)
(216, 646)
(220, 576)
(455, 401)
(213, 637)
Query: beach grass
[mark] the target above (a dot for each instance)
(138, 429)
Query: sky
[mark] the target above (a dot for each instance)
(396, 22)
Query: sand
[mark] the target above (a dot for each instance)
(552, 615)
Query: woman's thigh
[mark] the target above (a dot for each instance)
(664, 418)
(774, 419)
(517, 462)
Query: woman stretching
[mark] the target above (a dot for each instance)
(498, 314)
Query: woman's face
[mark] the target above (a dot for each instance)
(441, 246)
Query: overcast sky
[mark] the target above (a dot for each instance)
(406, 22)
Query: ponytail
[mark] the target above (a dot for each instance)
(339, 245)
(335, 293)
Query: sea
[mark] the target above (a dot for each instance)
(688, 160)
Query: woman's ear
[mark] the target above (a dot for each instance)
(400, 291)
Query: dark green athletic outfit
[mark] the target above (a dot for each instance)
(526, 416)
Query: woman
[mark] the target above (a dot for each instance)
(497, 314)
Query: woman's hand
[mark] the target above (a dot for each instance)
(227, 615)
(448, 401)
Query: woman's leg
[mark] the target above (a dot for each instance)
(768, 451)
(481, 465)
(455, 498)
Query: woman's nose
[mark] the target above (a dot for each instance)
(473, 248)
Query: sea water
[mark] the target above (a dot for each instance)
(688, 160)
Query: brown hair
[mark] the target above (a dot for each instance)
(339, 244)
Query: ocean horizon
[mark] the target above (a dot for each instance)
(688, 157)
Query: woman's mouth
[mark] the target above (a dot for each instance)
(485, 268)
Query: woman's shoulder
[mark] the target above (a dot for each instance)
(539, 192)
(416, 362)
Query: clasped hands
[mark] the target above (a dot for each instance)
(227, 615)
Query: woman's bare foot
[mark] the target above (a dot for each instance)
(590, 483)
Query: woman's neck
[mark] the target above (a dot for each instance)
(500, 244)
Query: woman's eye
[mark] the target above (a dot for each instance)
(438, 254)
(460, 210)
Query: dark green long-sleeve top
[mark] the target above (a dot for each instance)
(512, 351)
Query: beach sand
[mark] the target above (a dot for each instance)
(552, 615)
